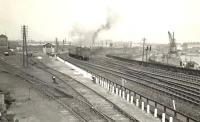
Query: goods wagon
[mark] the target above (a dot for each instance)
(159, 66)
(81, 53)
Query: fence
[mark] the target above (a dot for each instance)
(145, 103)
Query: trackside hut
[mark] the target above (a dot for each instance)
(3, 41)
(48, 48)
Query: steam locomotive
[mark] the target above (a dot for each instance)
(82, 53)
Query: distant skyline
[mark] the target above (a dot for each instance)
(130, 20)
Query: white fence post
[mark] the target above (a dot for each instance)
(127, 98)
(137, 102)
(170, 119)
(108, 86)
(116, 91)
(120, 92)
(131, 99)
(96, 80)
(113, 89)
(163, 117)
(123, 94)
(155, 112)
(143, 106)
(148, 109)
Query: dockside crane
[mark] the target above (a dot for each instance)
(172, 44)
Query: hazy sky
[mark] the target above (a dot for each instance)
(131, 20)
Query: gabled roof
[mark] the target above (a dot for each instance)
(48, 45)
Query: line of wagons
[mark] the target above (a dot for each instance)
(82, 53)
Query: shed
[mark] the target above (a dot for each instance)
(3, 41)
(48, 48)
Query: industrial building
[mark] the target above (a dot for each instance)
(191, 46)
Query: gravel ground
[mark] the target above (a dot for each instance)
(39, 108)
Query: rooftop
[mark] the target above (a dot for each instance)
(4, 36)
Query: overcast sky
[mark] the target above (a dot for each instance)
(131, 20)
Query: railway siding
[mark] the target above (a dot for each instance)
(118, 101)
(119, 74)
(80, 109)
(151, 74)
(165, 107)
(43, 88)
(192, 75)
(99, 102)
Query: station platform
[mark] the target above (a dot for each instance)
(133, 110)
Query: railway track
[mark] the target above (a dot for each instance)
(42, 87)
(156, 72)
(79, 109)
(191, 73)
(169, 82)
(186, 96)
(97, 101)
(179, 76)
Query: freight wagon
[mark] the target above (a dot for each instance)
(81, 53)
(159, 66)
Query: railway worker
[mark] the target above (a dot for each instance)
(93, 79)
(54, 79)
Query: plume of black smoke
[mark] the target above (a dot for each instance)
(103, 27)
(86, 37)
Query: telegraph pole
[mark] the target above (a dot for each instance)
(24, 48)
(26, 51)
(63, 45)
(143, 50)
(57, 45)
(146, 53)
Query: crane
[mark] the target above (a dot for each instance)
(172, 44)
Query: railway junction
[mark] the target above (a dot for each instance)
(99, 61)
(101, 89)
